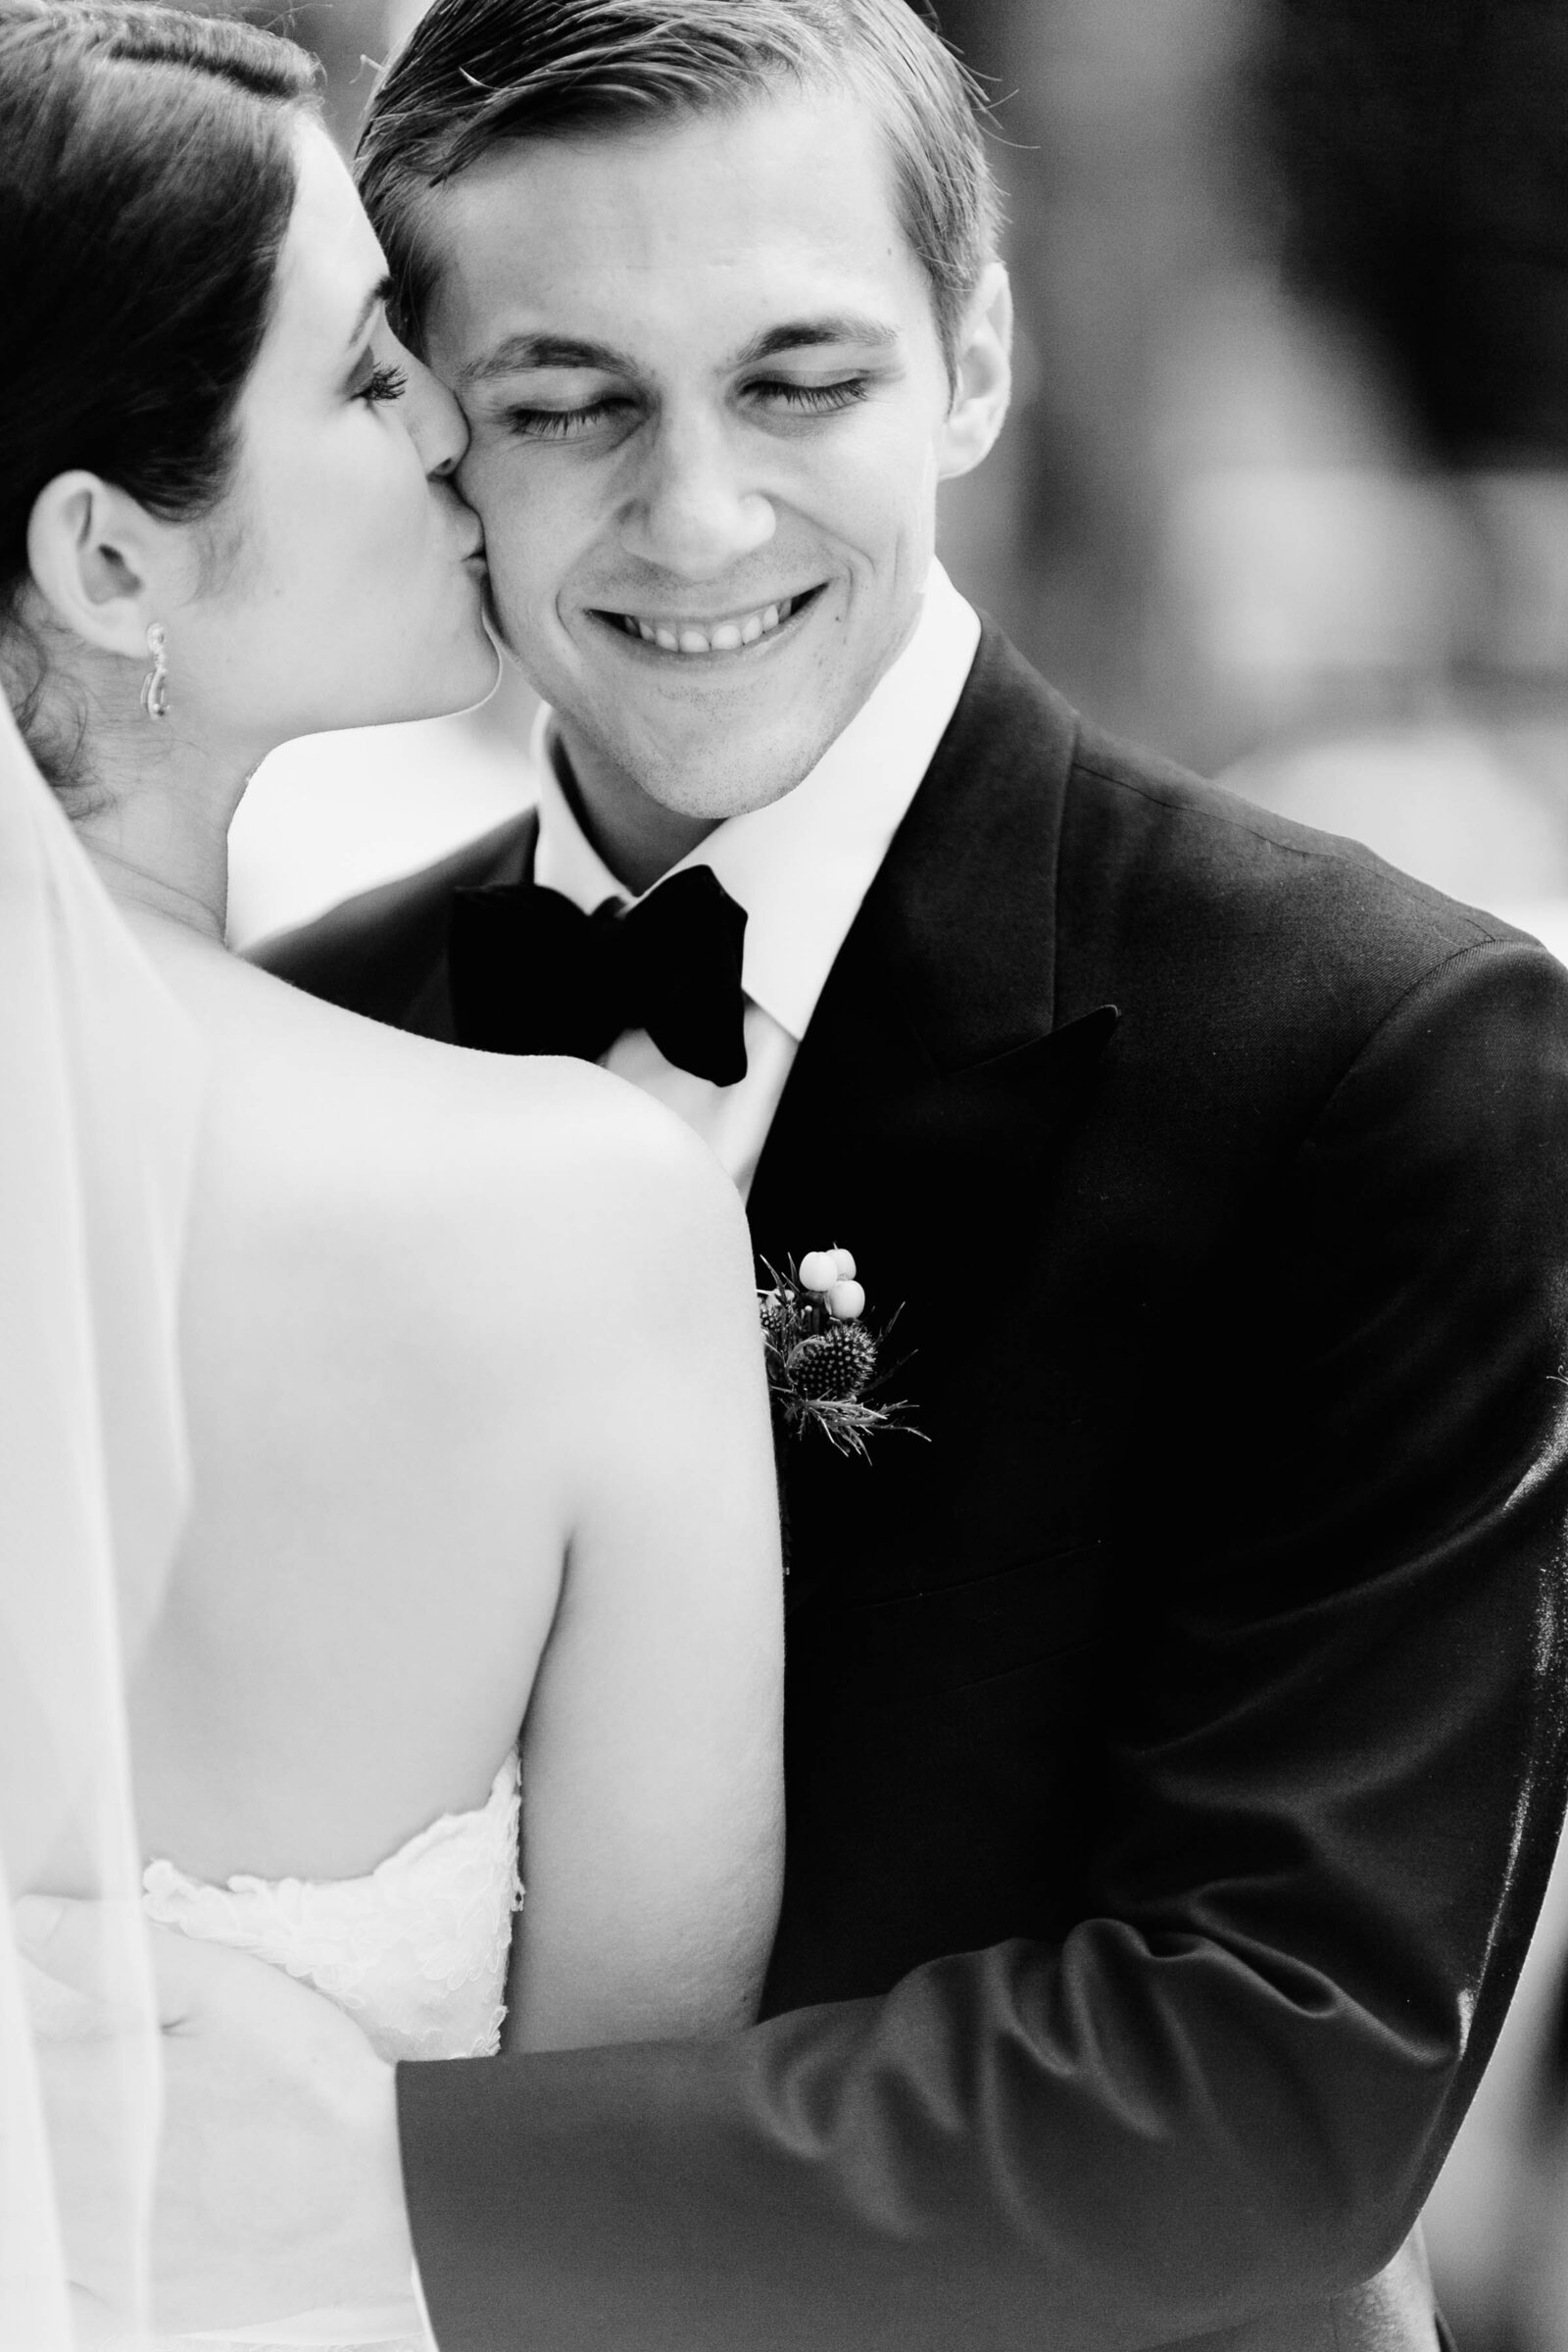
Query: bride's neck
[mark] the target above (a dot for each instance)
(159, 839)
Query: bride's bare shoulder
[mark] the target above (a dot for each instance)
(561, 1177)
(497, 1258)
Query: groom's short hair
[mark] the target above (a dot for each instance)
(477, 74)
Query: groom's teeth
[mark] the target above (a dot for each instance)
(725, 637)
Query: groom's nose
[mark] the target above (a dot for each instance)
(692, 509)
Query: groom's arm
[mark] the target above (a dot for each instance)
(1330, 1802)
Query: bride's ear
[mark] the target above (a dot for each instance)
(93, 553)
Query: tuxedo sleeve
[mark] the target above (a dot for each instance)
(1331, 1789)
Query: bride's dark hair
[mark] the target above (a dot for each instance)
(147, 177)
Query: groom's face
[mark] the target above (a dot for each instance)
(709, 410)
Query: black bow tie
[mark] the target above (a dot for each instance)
(532, 974)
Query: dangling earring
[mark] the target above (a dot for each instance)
(155, 685)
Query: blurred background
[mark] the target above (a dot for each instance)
(1286, 496)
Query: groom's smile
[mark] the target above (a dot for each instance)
(710, 408)
(689, 636)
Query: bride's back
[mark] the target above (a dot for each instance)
(401, 1264)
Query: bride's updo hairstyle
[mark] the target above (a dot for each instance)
(147, 178)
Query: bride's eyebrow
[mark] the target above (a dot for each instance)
(379, 293)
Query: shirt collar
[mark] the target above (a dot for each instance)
(801, 866)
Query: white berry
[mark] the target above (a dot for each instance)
(845, 1301)
(846, 1265)
(819, 1270)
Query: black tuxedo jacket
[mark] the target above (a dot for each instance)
(1176, 1729)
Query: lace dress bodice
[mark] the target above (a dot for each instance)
(415, 1951)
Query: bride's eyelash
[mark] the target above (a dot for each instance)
(387, 382)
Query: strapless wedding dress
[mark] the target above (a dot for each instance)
(415, 1951)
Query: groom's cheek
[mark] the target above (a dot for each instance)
(479, 484)
(513, 536)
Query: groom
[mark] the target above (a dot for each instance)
(1175, 1727)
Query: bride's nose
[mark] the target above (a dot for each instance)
(435, 422)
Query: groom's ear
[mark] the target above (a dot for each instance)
(982, 377)
(93, 553)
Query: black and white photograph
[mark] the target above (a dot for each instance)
(783, 1176)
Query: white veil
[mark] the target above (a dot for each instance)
(99, 1087)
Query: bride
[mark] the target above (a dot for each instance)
(468, 1347)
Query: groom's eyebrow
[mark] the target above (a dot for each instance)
(519, 353)
(808, 335)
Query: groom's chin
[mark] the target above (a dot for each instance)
(727, 768)
(702, 786)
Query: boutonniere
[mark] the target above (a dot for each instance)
(822, 1357)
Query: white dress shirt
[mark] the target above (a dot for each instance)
(799, 867)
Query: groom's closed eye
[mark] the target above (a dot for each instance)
(564, 387)
(563, 423)
(547, 419)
